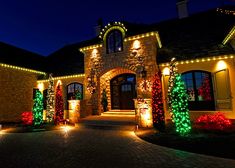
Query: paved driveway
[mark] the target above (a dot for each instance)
(96, 142)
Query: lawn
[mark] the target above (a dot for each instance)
(210, 142)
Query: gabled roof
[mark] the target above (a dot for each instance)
(199, 35)
(19, 57)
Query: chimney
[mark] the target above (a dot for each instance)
(182, 8)
(98, 27)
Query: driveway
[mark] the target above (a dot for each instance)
(98, 141)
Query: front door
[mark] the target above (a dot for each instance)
(123, 91)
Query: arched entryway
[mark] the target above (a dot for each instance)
(123, 91)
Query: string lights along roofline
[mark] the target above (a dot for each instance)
(22, 69)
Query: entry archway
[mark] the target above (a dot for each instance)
(123, 91)
(105, 80)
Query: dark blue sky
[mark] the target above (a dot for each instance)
(44, 26)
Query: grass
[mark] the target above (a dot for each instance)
(210, 142)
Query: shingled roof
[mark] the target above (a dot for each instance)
(19, 57)
(199, 35)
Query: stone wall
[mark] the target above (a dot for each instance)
(16, 93)
(113, 64)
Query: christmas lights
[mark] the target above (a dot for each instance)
(215, 121)
(90, 47)
(62, 77)
(145, 86)
(38, 109)
(179, 106)
(59, 106)
(116, 25)
(207, 59)
(157, 104)
(27, 118)
(50, 100)
(22, 69)
(229, 36)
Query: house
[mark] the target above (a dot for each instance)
(123, 58)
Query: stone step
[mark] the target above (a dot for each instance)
(119, 113)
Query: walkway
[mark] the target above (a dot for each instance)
(96, 142)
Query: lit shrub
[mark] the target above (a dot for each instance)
(27, 118)
(215, 121)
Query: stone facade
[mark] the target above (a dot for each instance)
(111, 65)
(16, 93)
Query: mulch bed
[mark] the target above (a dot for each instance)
(214, 143)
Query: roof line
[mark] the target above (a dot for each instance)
(197, 60)
(134, 37)
(62, 77)
(22, 69)
(229, 35)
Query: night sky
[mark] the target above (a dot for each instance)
(44, 26)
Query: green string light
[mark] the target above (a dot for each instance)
(179, 106)
(38, 109)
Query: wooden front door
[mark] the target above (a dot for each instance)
(123, 91)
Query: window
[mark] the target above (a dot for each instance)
(75, 91)
(199, 88)
(114, 41)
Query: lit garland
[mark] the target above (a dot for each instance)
(226, 11)
(111, 26)
(62, 77)
(149, 34)
(145, 86)
(229, 36)
(139, 36)
(173, 70)
(90, 47)
(157, 104)
(38, 109)
(50, 100)
(207, 59)
(179, 106)
(22, 69)
(59, 106)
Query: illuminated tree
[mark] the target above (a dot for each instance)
(38, 109)
(173, 71)
(50, 100)
(179, 106)
(78, 95)
(157, 104)
(205, 89)
(104, 100)
(59, 105)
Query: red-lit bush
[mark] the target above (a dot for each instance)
(215, 121)
(27, 118)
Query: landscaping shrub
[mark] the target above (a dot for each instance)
(215, 121)
(27, 118)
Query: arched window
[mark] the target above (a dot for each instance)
(200, 90)
(114, 41)
(75, 91)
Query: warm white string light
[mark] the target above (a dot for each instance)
(63, 77)
(208, 59)
(21, 68)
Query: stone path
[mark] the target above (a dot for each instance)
(97, 142)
